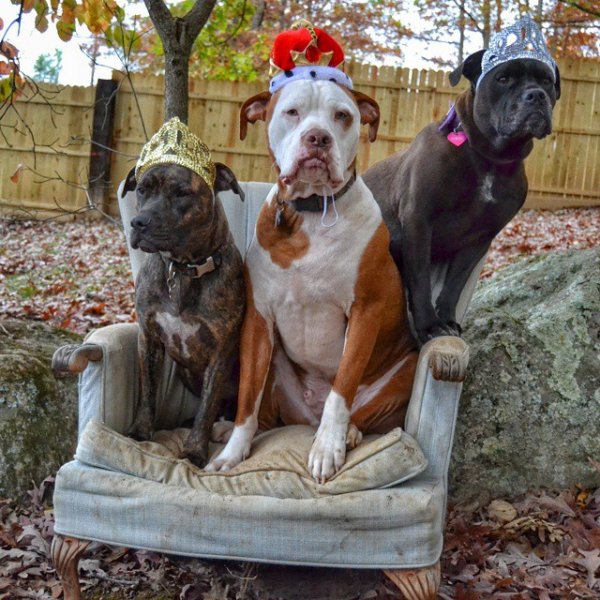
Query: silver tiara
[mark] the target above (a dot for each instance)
(523, 39)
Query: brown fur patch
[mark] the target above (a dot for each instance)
(287, 242)
(256, 348)
(388, 409)
(378, 334)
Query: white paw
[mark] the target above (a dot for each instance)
(225, 461)
(328, 452)
(353, 437)
(237, 448)
(221, 431)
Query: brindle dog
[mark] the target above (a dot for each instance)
(189, 292)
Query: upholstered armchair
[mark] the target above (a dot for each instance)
(398, 529)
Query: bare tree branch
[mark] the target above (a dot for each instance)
(196, 19)
(586, 9)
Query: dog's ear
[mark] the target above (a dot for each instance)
(225, 180)
(470, 68)
(254, 109)
(369, 113)
(557, 81)
(130, 183)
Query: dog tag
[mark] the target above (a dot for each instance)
(457, 138)
(279, 220)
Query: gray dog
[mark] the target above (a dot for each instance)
(460, 182)
(190, 297)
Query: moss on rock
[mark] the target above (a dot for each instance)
(38, 414)
(530, 409)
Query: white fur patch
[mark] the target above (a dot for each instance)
(174, 326)
(328, 451)
(237, 448)
(485, 190)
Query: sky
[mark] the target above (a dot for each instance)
(76, 66)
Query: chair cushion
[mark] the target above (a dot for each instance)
(277, 466)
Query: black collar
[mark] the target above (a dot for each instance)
(315, 203)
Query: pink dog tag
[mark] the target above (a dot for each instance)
(457, 138)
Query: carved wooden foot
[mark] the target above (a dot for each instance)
(448, 358)
(421, 584)
(66, 552)
(74, 358)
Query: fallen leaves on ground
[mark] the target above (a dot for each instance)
(537, 231)
(77, 275)
(550, 550)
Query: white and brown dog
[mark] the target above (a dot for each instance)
(325, 340)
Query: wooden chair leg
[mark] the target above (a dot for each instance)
(66, 552)
(420, 584)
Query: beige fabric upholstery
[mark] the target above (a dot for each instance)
(277, 466)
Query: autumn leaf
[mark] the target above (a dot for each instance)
(17, 173)
(65, 30)
(8, 50)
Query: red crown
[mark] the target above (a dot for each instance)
(304, 45)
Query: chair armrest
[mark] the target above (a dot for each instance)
(109, 388)
(433, 406)
(72, 359)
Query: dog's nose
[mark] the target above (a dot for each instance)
(534, 96)
(141, 221)
(318, 138)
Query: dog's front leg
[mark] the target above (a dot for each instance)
(458, 274)
(416, 275)
(328, 452)
(196, 445)
(151, 354)
(256, 349)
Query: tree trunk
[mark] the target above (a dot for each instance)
(487, 18)
(177, 62)
(178, 36)
(461, 30)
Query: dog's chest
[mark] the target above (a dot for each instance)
(181, 337)
(310, 300)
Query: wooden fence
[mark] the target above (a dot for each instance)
(563, 170)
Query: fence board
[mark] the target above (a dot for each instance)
(563, 169)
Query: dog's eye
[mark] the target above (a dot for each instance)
(292, 112)
(547, 81)
(341, 115)
(502, 79)
(140, 190)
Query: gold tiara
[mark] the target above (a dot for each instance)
(175, 144)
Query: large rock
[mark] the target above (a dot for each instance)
(38, 414)
(530, 409)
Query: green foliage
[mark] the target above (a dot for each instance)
(47, 67)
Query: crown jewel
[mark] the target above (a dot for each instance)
(523, 39)
(175, 144)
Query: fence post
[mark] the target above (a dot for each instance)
(102, 132)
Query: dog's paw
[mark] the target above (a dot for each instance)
(228, 458)
(236, 450)
(328, 452)
(353, 437)
(437, 330)
(141, 429)
(196, 449)
(221, 431)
